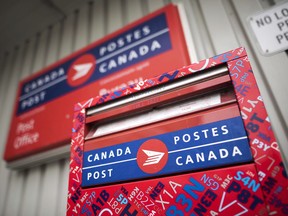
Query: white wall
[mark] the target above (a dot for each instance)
(216, 25)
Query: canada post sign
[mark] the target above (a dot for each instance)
(144, 41)
(210, 145)
(44, 106)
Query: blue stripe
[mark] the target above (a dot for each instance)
(138, 47)
(210, 145)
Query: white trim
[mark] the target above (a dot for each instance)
(170, 152)
(156, 34)
(48, 85)
(187, 34)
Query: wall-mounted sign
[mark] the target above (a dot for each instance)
(43, 110)
(270, 28)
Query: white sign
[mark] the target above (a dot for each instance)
(270, 28)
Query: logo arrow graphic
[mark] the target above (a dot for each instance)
(153, 157)
(81, 70)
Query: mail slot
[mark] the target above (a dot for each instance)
(183, 143)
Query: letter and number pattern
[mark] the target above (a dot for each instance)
(220, 158)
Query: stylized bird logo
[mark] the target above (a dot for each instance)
(153, 157)
(81, 70)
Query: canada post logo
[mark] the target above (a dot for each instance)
(193, 148)
(81, 70)
(139, 43)
(152, 156)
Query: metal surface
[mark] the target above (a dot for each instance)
(197, 77)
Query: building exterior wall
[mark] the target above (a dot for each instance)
(216, 26)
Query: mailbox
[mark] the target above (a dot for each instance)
(194, 141)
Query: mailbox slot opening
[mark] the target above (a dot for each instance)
(195, 92)
(202, 108)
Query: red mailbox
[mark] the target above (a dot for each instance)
(194, 141)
